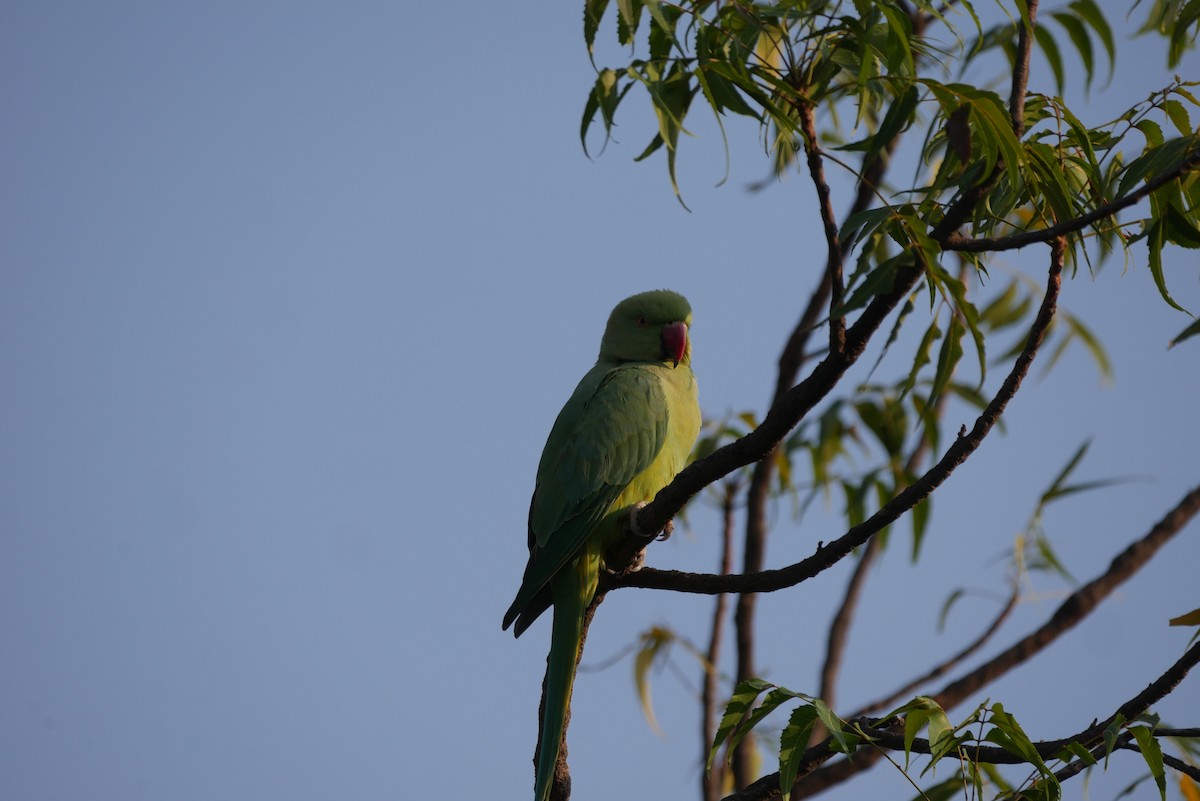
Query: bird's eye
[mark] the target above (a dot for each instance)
(642, 322)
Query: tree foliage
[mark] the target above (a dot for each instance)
(852, 87)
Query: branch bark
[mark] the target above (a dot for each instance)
(827, 556)
(711, 781)
(1077, 606)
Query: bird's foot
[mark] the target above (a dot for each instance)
(635, 564)
(665, 534)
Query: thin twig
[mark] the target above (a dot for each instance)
(834, 257)
(711, 781)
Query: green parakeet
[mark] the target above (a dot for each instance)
(622, 436)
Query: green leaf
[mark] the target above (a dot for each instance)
(1152, 753)
(670, 97)
(1186, 333)
(739, 704)
(593, 12)
(1111, 733)
(920, 524)
(948, 358)
(792, 745)
(1178, 115)
(845, 742)
(1155, 239)
(771, 701)
(1089, 12)
(1073, 750)
(879, 281)
(898, 118)
(947, 605)
(605, 96)
(1060, 480)
(1007, 309)
(1009, 735)
(1053, 56)
(628, 18)
(1152, 131)
(1093, 345)
(1181, 229)
(1083, 43)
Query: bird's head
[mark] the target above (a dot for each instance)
(649, 327)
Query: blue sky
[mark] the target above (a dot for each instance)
(289, 297)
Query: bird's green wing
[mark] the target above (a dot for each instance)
(600, 442)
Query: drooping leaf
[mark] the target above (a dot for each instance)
(1082, 42)
(1090, 13)
(948, 358)
(653, 645)
(1111, 733)
(947, 605)
(1049, 48)
(1152, 753)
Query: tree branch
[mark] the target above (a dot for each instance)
(1077, 606)
(1020, 81)
(889, 735)
(1171, 761)
(711, 780)
(827, 556)
(945, 667)
(834, 253)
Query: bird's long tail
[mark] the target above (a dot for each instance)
(572, 590)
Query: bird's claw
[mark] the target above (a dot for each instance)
(664, 534)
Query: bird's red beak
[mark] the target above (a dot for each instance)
(674, 342)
